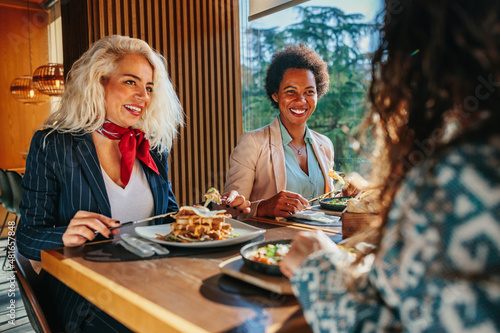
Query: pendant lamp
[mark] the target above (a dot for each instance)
(49, 79)
(23, 90)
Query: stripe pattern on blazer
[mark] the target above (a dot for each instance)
(63, 176)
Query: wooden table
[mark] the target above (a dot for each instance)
(181, 294)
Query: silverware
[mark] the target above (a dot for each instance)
(323, 195)
(139, 221)
(141, 247)
(143, 220)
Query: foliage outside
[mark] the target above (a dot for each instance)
(336, 37)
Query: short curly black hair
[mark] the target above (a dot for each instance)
(296, 56)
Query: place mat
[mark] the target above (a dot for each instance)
(236, 286)
(114, 252)
(236, 268)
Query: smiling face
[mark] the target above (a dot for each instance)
(128, 90)
(296, 97)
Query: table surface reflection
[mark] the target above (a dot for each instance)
(183, 294)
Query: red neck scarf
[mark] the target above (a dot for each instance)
(132, 144)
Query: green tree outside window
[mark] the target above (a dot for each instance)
(338, 38)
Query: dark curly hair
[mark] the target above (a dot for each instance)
(300, 57)
(438, 62)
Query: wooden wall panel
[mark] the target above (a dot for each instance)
(19, 121)
(200, 40)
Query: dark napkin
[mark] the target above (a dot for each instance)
(114, 252)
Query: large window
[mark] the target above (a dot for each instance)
(343, 32)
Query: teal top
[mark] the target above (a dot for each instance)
(309, 186)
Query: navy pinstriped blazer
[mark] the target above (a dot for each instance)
(63, 176)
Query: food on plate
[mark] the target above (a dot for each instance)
(212, 195)
(198, 224)
(271, 254)
(337, 201)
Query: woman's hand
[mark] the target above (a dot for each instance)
(304, 244)
(283, 204)
(234, 203)
(82, 226)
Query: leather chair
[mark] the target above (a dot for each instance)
(6, 195)
(14, 180)
(40, 314)
(17, 192)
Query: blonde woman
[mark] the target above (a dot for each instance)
(101, 159)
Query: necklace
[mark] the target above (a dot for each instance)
(299, 151)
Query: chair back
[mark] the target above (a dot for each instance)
(7, 200)
(40, 315)
(17, 192)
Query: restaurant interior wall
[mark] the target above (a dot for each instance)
(200, 40)
(19, 121)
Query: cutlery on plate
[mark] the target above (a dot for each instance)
(140, 221)
(141, 247)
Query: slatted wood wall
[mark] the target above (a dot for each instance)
(200, 39)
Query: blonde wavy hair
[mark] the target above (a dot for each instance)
(83, 108)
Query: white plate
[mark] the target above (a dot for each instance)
(245, 231)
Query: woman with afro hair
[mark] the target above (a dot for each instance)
(279, 165)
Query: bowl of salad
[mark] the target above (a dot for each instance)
(335, 203)
(265, 257)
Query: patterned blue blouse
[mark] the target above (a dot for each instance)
(439, 265)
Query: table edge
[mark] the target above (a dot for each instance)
(56, 263)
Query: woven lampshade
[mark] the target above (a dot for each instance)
(49, 79)
(23, 90)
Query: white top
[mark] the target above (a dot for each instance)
(134, 202)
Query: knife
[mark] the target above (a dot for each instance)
(140, 221)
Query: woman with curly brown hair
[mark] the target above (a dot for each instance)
(435, 261)
(277, 166)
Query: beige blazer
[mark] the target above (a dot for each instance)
(257, 164)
